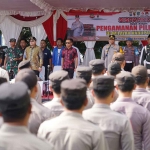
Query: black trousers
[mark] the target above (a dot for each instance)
(36, 72)
(128, 67)
(46, 73)
(70, 72)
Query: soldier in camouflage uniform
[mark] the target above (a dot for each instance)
(13, 56)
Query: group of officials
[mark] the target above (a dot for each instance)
(98, 110)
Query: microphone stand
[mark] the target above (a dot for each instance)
(48, 91)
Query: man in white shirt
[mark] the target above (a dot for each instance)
(56, 78)
(39, 112)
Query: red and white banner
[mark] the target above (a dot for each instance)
(98, 27)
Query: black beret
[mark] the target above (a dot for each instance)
(148, 36)
(12, 40)
(83, 72)
(114, 68)
(28, 76)
(73, 88)
(24, 64)
(58, 76)
(103, 83)
(13, 96)
(112, 37)
(32, 38)
(97, 65)
(140, 72)
(125, 78)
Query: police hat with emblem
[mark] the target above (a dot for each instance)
(84, 73)
(125, 78)
(73, 92)
(103, 83)
(57, 77)
(24, 64)
(114, 68)
(140, 73)
(28, 76)
(16, 97)
(112, 37)
(12, 40)
(97, 66)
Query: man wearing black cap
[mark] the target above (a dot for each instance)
(70, 131)
(13, 56)
(15, 108)
(119, 58)
(118, 133)
(130, 53)
(139, 116)
(77, 27)
(109, 50)
(145, 54)
(86, 74)
(34, 54)
(39, 112)
(140, 95)
(97, 66)
(56, 78)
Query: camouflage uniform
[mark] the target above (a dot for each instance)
(12, 64)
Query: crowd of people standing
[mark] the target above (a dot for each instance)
(105, 107)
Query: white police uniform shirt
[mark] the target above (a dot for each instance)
(70, 131)
(116, 127)
(55, 106)
(39, 114)
(90, 99)
(19, 138)
(142, 97)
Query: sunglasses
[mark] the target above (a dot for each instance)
(68, 43)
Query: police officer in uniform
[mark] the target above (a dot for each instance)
(56, 78)
(145, 54)
(109, 50)
(139, 116)
(140, 95)
(86, 74)
(97, 66)
(15, 108)
(13, 56)
(77, 27)
(70, 131)
(39, 112)
(118, 133)
(130, 55)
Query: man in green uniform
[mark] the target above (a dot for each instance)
(13, 56)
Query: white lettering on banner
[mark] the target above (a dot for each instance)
(134, 24)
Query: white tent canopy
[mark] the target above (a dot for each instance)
(42, 7)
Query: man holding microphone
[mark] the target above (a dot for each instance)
(109, 50)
